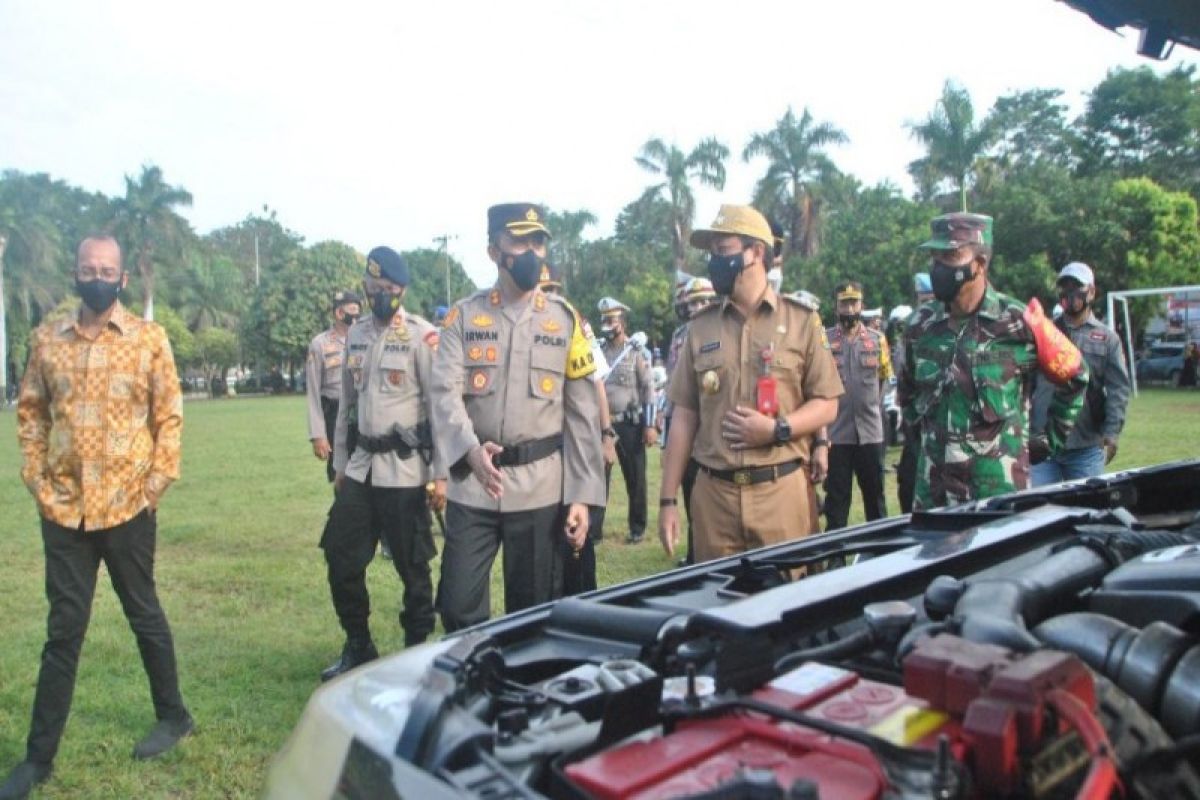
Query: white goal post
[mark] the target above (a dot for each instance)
(1123, 298)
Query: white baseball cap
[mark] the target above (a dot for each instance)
(1080, 272)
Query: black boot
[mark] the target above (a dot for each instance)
(355, 653)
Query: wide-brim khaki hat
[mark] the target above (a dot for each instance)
(736, 221)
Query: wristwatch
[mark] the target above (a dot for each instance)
(608, 432)
(783, 431)
(820, 443)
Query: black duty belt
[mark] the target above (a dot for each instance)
(752, 475)
(385, 444)
(514, 455)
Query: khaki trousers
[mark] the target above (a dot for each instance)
(731, 519)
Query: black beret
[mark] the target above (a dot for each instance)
(345, 297)
(519, 219)
(384, 262)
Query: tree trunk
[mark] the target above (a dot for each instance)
(677, 245)
(3, 331)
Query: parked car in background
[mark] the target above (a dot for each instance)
(1162, 362)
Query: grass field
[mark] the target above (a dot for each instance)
(243, 585)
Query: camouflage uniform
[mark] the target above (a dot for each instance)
(967, 384)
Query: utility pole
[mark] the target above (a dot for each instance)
(442, 241)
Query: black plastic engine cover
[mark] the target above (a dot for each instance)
(1162, 586)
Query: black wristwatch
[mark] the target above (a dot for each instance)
(820, 443)
(608, 432)
(783, 431)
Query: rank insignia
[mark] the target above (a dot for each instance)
(545, 276)
(711, 382)
(494, 297)
(479, 380)
(547, 385)
(550, 326)
(539, 302)
(481, 321)
(475, 353)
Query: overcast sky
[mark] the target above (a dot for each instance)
(391, 123)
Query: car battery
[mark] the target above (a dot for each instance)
(704, 754)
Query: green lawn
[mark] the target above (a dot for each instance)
(243, 584)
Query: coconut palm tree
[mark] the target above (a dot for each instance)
(704, 164)
(953, 141)
(568, 227)
(150, 228)
(29, 280)
(795, 164)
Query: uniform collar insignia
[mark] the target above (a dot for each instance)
(539, 302)
(494, 297)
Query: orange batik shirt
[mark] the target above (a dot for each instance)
(99, 420)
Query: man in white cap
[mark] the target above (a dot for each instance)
(1093, 442)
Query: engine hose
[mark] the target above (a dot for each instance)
(1102, 778)
(852, 645)
(997, 610)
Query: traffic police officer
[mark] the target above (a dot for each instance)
(630, 390)
(382, 485)
(754, 380)
(518, 423)
(855, 440)
(323, 376)
(1093, 442)
(968, 373)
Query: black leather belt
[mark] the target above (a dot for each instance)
(514, 455)
(385, 444)
(752, 475)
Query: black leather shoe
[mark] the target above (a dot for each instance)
(162, 737)
(23, 778)
(635, 538)
(354, 654)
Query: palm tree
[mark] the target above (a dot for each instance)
(30, 243)
(568, 227)
(705, 163)
(795, 163)
(953, 141)
(147, 222)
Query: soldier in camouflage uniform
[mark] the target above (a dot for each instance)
(969, 367)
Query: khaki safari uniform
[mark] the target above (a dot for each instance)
(856, 437)
(323, 386)
(755, 497)
(518, 375)
(630, 389)
(385, 379)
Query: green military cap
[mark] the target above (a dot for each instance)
(519, 219)
(952, 231)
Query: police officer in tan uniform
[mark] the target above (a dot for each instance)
(754, 380)
(323, 376)
(854, 444)
(382, 485)
(630, 390)
(517, 421)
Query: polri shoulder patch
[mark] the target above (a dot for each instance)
(710, 347)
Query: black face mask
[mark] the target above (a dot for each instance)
(347, 318)
(848, 321)
(947, 280)
(724, 270)
(525, 269)
(384, 305)
(98, 295)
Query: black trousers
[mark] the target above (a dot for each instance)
(846, 462)
(533, 561)
(329, 409)
(579, 569)
(361, 514)
(906, 472)
(689, 480)
(72, 560)
(631, 454)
